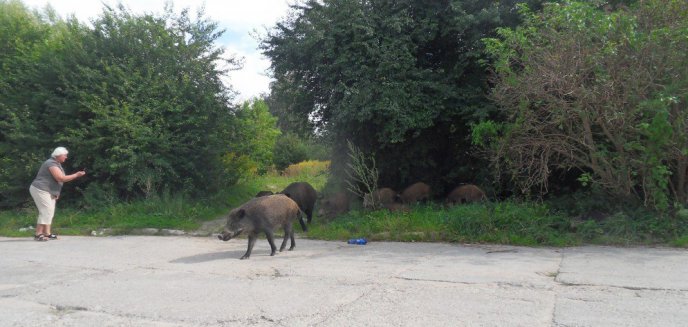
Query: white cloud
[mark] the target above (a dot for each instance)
(239, 18)
(252, 79)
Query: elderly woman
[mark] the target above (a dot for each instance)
(45, 190)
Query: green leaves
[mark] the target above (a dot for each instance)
(137, 99)
(598, 91)
(255, 134)
(158, 111)
(401, 79)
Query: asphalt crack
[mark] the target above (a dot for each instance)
(340, 308)
(68, 308)
(630, 288)
(555, 301)
(375, 287)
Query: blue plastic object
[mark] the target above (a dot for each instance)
(359, 241)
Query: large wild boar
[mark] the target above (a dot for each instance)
(415, 193)
(304, 195)
(333, 205)
(465, 194)
(381, 196)
(263, 214)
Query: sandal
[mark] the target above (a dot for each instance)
(40, 238)
(51, 236)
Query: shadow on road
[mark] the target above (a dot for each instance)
(28, 239)
(224, 255)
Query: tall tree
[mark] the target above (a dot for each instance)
(400, 79)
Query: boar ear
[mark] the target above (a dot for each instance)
(241, 213)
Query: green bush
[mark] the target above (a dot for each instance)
(254, 137)
(318, 151)
(289, 149)
(137, 99)
(629, 139)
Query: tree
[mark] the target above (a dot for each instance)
(138, 99)
(400, 79)
(154, 110)
(282, 102)
(599, 92)
(29, 43)
(255, 135)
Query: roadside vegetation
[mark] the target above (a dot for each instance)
(570, 116)
(506, 222)
(509, 222)
(166, 211)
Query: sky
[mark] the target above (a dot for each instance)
(241, 19)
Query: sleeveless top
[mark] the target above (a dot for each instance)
(45, 181)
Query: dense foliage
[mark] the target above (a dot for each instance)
(598, 92)
(292, 148)
(402, 80)
(137, 99)
(254, 138)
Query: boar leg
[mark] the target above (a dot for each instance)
(251, 242)
(288, 232)
(309, 214)
(291, 235)
(303, 223)
(286, 236)
(271, 240)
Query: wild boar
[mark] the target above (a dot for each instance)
(415, 193)
(263, 193)
(263, 214)
(465, 194)
(380, 196)
(334, 204)
(304, 195)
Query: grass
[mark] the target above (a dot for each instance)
(640, 228)
(681, 241)
(505, 223)
(171, 212)
(508, 222)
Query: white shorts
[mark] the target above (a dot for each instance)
(45, 204)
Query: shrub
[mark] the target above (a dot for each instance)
(255, 135)
(289, 149)
(309, 168)
(237, 166)
(598, 92)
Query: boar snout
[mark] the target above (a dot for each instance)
(226, 236)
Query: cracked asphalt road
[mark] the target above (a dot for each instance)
(199, 281)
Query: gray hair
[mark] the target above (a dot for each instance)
(60, 150)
